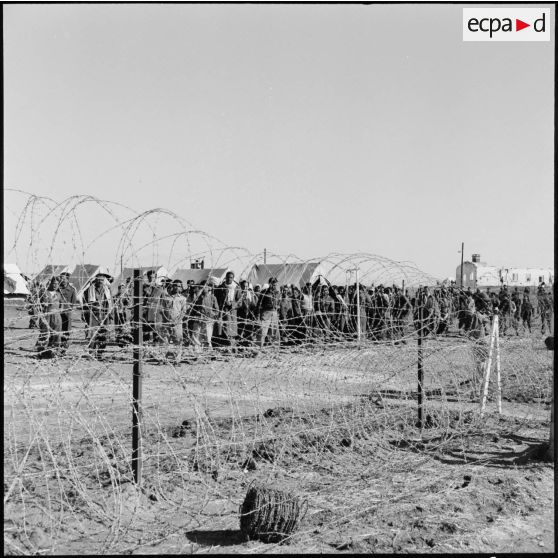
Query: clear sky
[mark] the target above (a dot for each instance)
(306, 129)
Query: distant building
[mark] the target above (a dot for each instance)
(477, 274)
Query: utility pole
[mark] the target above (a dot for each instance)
(265, 256)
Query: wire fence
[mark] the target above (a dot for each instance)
(297, 384)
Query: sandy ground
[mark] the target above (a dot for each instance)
(346, 442)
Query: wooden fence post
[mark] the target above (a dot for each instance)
(489, 364)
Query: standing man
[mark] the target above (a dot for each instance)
(504, 309)
(160, 300)
(267, 311)
(365, 302)
(68, 301)
(545, 309)
(50, 324)
(426, 312)
(98, 304)
(204, 312)
(175, 308)
(122, 302)
(306, 307)
(526, 309)
(246, 314)
(401, 309)
(342, 310)
(326, 309)
(33, 302)
(228, 295)
(285, 313)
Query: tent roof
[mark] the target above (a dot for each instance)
(128, 272)
(11, 268)
(159, 270)
(199, 275)
(14, 283)
(296, 273)
(82, 275)
(49, 271)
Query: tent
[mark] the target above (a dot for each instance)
(287, 274)
(82, 276)
(128, 272)
(50, 271)
(14, 282)
(199, 275)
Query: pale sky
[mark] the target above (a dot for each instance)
(304, 129)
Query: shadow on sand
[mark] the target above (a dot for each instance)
(223, 537)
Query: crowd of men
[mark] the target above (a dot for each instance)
(234, 315)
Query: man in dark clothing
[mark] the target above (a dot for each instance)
(326, 308)
(267, 311)
(246, 314)
(122, 304)
(444, 306)
(516, 309)
(545, 309)
(33, 303)
(285, 312)
(228, 296)
(297, 315)
(426, 313)
(98, 305)
(504, 309)
(380, 307)
(526, 310)
(68, 301)
(401, 308)
(342, 311)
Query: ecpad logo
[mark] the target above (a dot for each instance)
(506, 24)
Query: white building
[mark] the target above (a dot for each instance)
(477, 274)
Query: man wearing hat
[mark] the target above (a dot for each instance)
(68, 301)
(174, 313)
(204, 312)
(228, 296)
(246, 313)
(267, 311)
(98, 308)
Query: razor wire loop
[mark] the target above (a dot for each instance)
(314, 397)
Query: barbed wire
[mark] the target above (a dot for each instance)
(331, 389)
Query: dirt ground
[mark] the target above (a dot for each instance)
(335, 426)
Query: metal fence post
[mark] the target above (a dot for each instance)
(137, 379)
(419, 365)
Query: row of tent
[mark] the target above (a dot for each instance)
(81, 275)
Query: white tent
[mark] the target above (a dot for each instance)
(49, 271)
(14, 282)
(128, 273)
(199, 275)
(285, 273)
